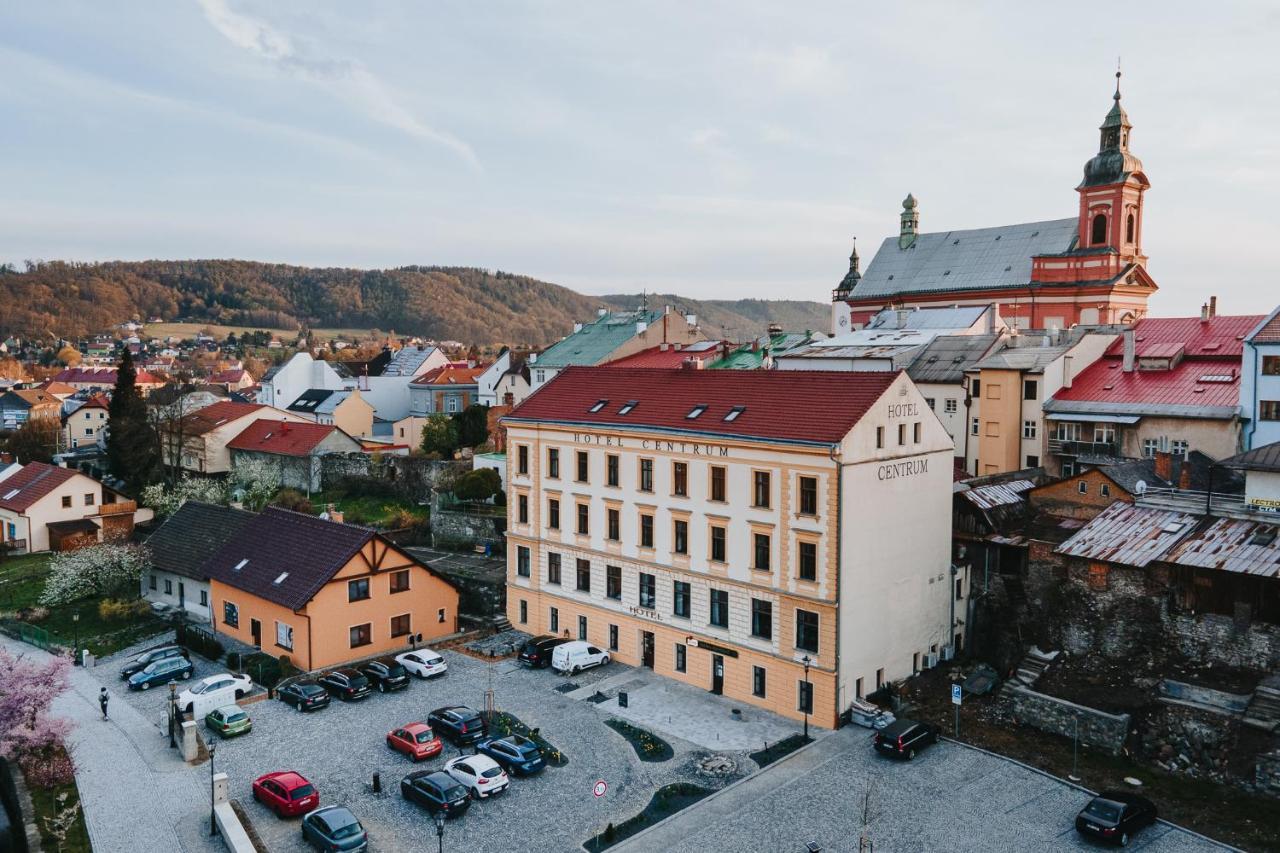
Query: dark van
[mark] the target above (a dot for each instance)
(536, 653)
(904, 738)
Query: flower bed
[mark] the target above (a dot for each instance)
(648, 746)
(781, 749)
(504, 724)
(666, 802)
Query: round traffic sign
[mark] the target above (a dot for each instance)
(599, 788)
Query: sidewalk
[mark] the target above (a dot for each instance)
(137, 794)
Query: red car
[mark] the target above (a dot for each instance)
(286, 793)
(415, 740)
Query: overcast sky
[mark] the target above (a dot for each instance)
(719, 150)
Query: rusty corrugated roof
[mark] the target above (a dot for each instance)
(999, 494)
(1133, 535)
(1232, 545)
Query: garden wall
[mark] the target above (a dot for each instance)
(1058, 716)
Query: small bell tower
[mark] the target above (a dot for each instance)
(1112, 191)
(910, 223)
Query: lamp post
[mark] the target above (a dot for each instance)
(213, 821)
(75, 643)
(808, 695)
(440, 831)
(173, 712)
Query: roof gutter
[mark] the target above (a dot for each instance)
(673, 430)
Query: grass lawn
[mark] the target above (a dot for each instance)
(378, 512)
(49, 807)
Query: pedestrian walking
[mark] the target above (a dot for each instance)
(103, 699)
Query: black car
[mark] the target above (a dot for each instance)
(334, 828)
(904, 738)
(150, 656)
(346, 683)
(1115, 817)
(516, 754)
(436, 790)
(536, 653)
(459, 724)
(305, 695)
(386, 674)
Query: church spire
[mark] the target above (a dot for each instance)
(854, 272)
(910, 222)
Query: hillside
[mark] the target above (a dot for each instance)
(461, 303)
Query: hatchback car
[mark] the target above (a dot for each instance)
(415, 740)
(479, 774)
(1115, 817)
(536, 652)
(161, 672)
(516, 754)
(904, 738)
(230, 686)
(459, 724)
(423, 663)
(437, 791)
(385, 674)
(286, 793)
(229, 721)
(140, 662)
(305, 695)
(347, 684)
(334, 828)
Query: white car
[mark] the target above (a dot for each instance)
(423, 663)
(479, 774)
(225, 686)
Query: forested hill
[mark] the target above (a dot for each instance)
(459, 303)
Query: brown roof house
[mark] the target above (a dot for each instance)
(325, 593)
(47, 508)
(24, 404)
(197, 441)
(294, 449)
(178, 550)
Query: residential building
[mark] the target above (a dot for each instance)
(44, 507)
(61, 390)
(284, 383)
(724, 527)
(293, 449)
(449, 389)
(762, 351)
(232, 378)
(505, 381)
(1086, 493)
(938, 370)
(86, 425)
(667, 356)
(390, 392)
(178, 549)
(99, 379)
(325, 593)
(17, 406)
(347, 410)
(1168, 384)
(613, 335)
(197, 442)
(1260, 383)
(891, 339)
(1087, 269)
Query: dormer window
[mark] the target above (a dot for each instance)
(600, 404)
(696, 411)
(734, 413)
(628, 406)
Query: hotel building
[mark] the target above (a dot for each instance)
(721, 527)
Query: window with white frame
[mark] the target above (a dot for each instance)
(1178, 447)
(949, 406)
(973, 426)
(1028, 429)
(284, 636)
(1150, 446)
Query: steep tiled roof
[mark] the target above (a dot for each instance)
(97, 401)
(1219, 337)
(448, 374)
(36, 479)
(210, 418)
(283, 438)
(53, 386)
(101, 376)
(191, 535)
(818, 407)
(668, 356)
(234, 374)
(1268, 331)
(596, 341)
(33, 397)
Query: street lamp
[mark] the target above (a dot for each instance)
(440, 830)
(75, 643)
(213, 821)
(173, 712)
(808, 695)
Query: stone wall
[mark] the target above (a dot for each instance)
(1058, 716)
(454, 529)
(414, 477)
(1221, 640)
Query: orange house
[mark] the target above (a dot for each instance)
(324, 593)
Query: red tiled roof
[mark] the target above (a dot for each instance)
(211, 417)
(451, 374)
(668, 358)
(784, 405)
(36, 479)
(230, 375)
(1105, 381)
(101, 376)
(53, 386)
(97, 401)
(283, 438)
(1220, 336)
(1269, 333)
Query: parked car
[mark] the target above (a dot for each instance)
(225, 686)
(347, 684)
(479, 774)
(869, 716)
(386, 674)
(423, 663)
(286, 793)
(904, 738)
(334, 828)
(459, 724)
(437, 791)
(140, 662)
(577, 655)
(1115, 817)
(415, 740)
(229, 721)
(304, 694)
(536, 653)
(516, 753)
(161, 672)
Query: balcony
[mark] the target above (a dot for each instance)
(118, 508)
(1215, 504)
(1066, 447)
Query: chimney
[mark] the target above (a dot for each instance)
(691, 363)
(1204, 313)
(641, 326)
(774, 329)
(600, 312)
(903, 314)
(1213, 307)
(691, 319)
(284, 427)
(577, 327)
(993, 314)
(1184, 475)
(1130, 350)
(662, 347)
(509, 399)
(533, 358)
(1164, 465)
(1066, 371)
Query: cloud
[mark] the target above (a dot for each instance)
(799, 68)
(361, 86)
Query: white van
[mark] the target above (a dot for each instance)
(576, 656)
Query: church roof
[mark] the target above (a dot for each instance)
(974, 259)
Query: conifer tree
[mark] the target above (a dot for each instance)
(133, 453)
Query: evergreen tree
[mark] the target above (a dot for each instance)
(473, 425)
(133, 452)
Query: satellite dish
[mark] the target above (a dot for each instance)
(1140, 488)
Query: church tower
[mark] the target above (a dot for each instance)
(1112, 190)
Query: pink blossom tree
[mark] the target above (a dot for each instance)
(27, 691)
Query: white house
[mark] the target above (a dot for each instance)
(178, 549)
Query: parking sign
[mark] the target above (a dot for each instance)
(956, 692)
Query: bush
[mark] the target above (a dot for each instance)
(365, 487)
(122, 609)
(233, 660)
(478, 485)
(200, 642)
(48, 767)
(32, 614)
(294, 500)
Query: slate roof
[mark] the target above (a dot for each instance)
(596, 341)
(283, 438)
(793, 406)
(1265, 458)
(976, 259)
(1130, 534)
(21, 491)
(210, 418)
(308, 550)
(189, 537)
(946, 358)
(407, 360)
(1028, 359)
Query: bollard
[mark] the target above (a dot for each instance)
(377, 782)
(622, 699)
(189, 746)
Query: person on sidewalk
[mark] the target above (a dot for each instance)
(103, 698)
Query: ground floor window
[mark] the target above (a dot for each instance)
(680, 657)
(806, 697)
(582, 627)
(284, 636)
(151, 581)
(400, 625)
(361, 635)
(555, 620)
(230, 614)
(757, 681)
(168, 586)
(613, 638)
(524, 611)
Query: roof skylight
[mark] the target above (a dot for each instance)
(600, 404)
(628, 406)
(1173, 527)
(734, 412)
(279, 580)
(240, 565)
(695, 411)
(11, 493)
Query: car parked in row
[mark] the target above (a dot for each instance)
(904, 738)
(385, 674)
(334, 828)
(222, 689)
(229, 721)
(305, 694)
(423, 663)
(286, 793)
(161, 672)
(139, 663)
(415, 740)
(1114, 817)
(346, 683)
(479, 774)
(536, 652)
(573, 657)
(517, 754)
(436, 791)
(459, 724)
